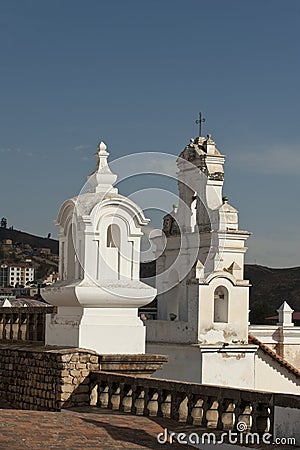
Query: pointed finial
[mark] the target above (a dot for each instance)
(102, 179)
(102, 148)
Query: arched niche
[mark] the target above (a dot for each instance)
(112, 252)
(113, 236)
(116, 248)
(221, 305)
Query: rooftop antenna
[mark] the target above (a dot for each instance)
(200, 122)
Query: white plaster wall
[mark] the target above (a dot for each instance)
(271, 377)
(168, 331)
(232, 368)
(184, 362)
(191, 364)
(292, 354)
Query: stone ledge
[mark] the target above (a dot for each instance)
(134, 364)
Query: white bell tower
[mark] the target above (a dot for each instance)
(200, 278)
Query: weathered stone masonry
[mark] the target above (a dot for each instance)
(51, 378)
(42, 378)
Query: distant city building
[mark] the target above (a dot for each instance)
(16, 275)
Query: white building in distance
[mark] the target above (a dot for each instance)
(16, 275)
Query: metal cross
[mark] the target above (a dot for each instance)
(200, 121)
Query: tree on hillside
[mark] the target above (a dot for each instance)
(3, 222)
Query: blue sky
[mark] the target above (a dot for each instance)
(135, 73)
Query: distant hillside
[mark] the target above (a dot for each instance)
(270, 288)
(26, 238)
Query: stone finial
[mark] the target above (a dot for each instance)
(102, 148)
(285, 315)
(104, 177)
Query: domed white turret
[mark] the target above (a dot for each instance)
(100, 289)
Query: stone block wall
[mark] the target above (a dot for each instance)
(45, 378)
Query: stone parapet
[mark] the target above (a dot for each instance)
(52, 378)
(213, 408)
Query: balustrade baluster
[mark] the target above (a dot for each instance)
(246, 416)
(94, 389)
(152, 403)
(14, 326)
(164, 404)
(23, 328)
(126, 398)
(227, 416)
(196, 415)
(212, 415)
(183, 410)
(139, 401)
(114, 396)
(103, 395)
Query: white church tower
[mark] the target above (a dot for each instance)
(223, 294)
(100, 291)
(203, 301)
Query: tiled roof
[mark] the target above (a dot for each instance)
(24, 301)
(283, 362)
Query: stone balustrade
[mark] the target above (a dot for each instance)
(23, 323)
(219, 408)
